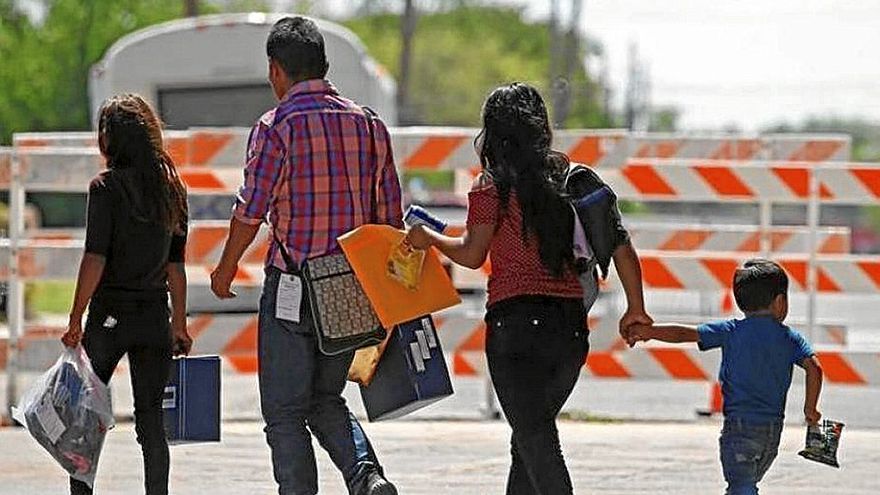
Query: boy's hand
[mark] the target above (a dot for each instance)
(813, 416)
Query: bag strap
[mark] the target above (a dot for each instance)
(374, 200)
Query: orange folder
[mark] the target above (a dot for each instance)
(367, 248)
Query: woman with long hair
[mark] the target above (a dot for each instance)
(134, 256)
(537, 335)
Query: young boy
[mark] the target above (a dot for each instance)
(757, 354)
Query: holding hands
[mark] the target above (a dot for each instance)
(631, 321)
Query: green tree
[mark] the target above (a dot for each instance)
(44, 73)
(461, 54)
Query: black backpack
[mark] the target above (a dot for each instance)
(597, 228)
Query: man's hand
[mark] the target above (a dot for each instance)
(812, 416)
(221, 282)
(73, 335)
(181, 341)
(630, 318)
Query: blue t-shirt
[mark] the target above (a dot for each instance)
(757, 358)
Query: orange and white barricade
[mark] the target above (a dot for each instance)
(722, 180)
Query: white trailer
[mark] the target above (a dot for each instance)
(212, 70)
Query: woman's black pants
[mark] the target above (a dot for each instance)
(142, 330)
(535, 347)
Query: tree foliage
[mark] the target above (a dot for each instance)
(461, 54)
(44, 67)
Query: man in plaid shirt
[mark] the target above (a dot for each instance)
(316, 170)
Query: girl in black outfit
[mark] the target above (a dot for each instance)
(134, 254)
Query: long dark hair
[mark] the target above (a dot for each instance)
(130, 138)
(514, 149)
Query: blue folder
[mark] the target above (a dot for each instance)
(411, 374)
(192, 400)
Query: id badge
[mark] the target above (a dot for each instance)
(289, 298)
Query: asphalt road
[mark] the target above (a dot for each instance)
(462, 457)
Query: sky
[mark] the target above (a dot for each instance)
(739, 63)
(742, 64)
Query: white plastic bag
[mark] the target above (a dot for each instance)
(68, 412)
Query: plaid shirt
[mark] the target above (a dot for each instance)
(312, 167)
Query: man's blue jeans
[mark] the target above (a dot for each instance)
(300, 392)
(747, 450)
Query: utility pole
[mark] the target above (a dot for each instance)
(408, 22)
(638, 87)
(190, 8)
(565, 49)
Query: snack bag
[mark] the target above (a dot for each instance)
(68, 412)
(405, 264)
(822, 442)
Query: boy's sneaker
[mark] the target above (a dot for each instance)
(376, 484)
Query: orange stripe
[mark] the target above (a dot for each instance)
(724, 182)
(31, 143)
(605, 365)
(433, 152)
(243, 364)
(177, 148)
(826, 283)
(798, 181)
(677, 363)
(197, 325)
(685, 240)
(662, 149)
(752, 244)
(872, 270)
(778, 239)
(206, 145)
(245, 341)
(476, 341)
(815, 151)
(487, 267)
(201, 180)
(737, 150)
(460, 366)
(656, 275)
(836, 369)
(257, 252)
(242, 276)
(587, 150)
(798, 271)
(721, 269)
(202, 241)
(837, 335)
(646, 180)
(870, 178)
(835, 244)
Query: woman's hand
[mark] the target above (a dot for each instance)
(73, 335)
(630, 318)
(419, 237)
(181, 341)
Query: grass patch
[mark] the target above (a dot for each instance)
(50, 297)
(586, 417)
